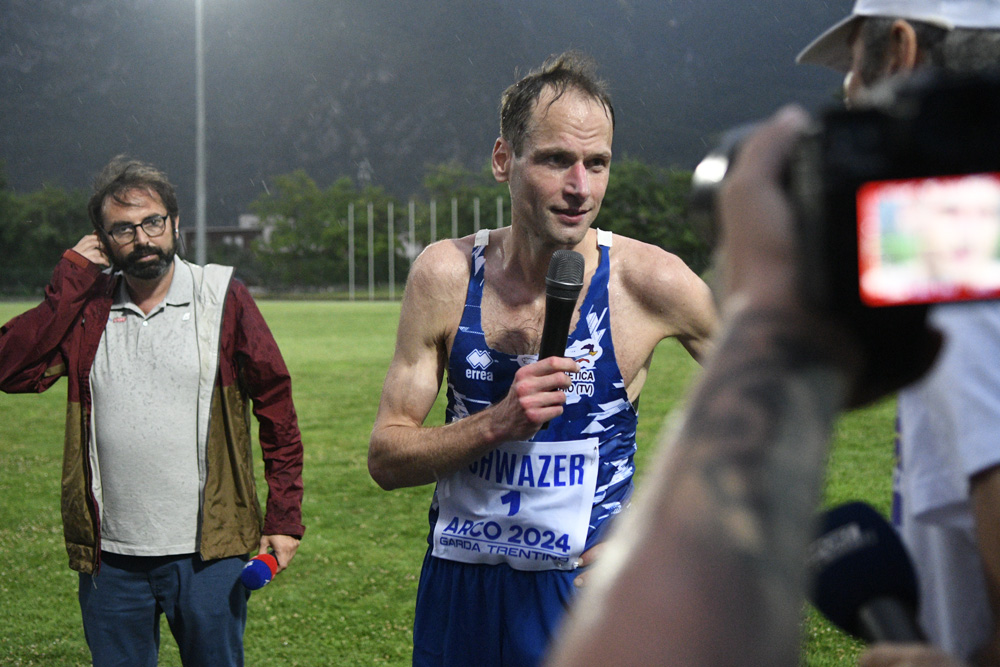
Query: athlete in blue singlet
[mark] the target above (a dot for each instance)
(510, 527)
(516, 506)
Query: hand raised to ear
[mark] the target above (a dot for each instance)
(91, 247)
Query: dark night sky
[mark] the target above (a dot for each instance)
(325, 85)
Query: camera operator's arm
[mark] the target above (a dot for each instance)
(710, 568)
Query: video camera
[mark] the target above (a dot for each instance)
(898, 203)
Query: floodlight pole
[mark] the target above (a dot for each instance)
(199, 160)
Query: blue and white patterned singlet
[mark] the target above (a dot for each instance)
(597, 412)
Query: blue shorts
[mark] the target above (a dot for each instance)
(487, 614)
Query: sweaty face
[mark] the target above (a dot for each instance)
(145, 257)
(558, 181)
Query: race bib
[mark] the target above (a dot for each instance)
(527, 504)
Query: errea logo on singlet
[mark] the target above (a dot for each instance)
(479, 362)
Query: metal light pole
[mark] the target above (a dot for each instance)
(199, 160)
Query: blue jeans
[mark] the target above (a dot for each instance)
(205, 604)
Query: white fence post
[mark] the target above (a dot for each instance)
(350, 251)
(371, 251)
(392, 254)
(410, 255)
(434, 220)
(410, 242)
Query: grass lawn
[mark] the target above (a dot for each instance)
(348, 597)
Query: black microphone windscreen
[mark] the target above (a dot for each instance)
(858, 561)
(563, 283)
(564, 279)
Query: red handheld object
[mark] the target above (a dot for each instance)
(259, 571)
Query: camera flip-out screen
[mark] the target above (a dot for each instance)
(929, 240)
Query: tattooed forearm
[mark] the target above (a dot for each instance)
(718, 533)
(756, 430)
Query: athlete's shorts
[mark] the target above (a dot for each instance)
(487, 615)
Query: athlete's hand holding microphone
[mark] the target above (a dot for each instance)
(537, 394)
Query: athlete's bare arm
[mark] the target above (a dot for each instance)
(655, 296)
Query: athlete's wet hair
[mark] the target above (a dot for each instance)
(569, 71)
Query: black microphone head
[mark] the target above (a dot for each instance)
(565, 277)
(857, 559)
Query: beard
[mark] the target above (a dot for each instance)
(132, 265)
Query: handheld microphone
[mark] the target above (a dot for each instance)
(864, 582)
(259, 571)
(563, 283)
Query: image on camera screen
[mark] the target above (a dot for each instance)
(929, 240)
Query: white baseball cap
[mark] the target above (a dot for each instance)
(833, 48)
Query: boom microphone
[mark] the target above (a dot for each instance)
(259, 571)
(563, 283)
(863, 578)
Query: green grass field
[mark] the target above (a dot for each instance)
(348, 597)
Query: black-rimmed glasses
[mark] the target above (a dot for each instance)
(124, 232)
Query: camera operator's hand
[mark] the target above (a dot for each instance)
(760, 257)
(762, 269)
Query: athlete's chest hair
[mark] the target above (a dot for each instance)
(511, 327)
(513, 321)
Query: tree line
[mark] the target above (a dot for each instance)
(308, 246)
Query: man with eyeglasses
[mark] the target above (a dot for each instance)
(164, 359)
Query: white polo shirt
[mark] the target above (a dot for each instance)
(144, 382)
